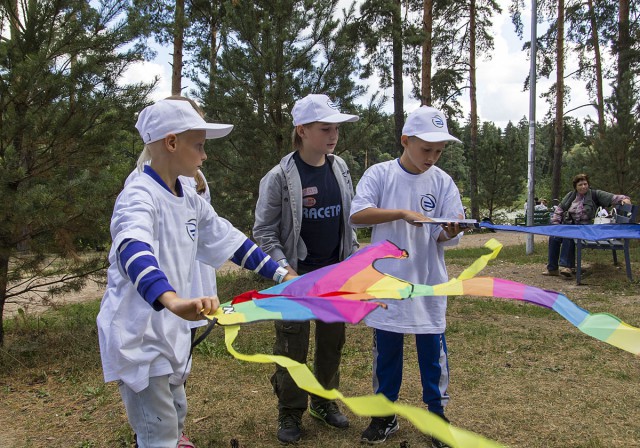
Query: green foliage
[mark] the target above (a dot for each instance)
(621, 175)
(454, 162)
(501, 164)
(272, 53)
(606, 156)
(452, 22)
(63, 116)
(66, 127)
(369, 140)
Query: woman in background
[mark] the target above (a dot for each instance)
(577, 207)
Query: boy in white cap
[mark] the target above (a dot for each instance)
(159, 230)
(391, 197)
(302, 221)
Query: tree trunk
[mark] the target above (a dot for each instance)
(559, 122)
(624, 68)
(427, 52)
(398, 90)
(213, 56)
(277, 98)
(598, 62)
(623, 97)
(178, 44)
(4, 273)
(14, 19)
(473, 172)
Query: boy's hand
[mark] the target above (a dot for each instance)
(189, 309)
(292, 274)
(411, 217)
(451, 229)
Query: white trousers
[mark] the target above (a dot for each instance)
(156, 413)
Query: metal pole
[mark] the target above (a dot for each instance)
(531, 184)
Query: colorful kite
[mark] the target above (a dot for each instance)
(347, 291)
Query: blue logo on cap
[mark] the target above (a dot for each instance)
(437, 121)
(332, 105)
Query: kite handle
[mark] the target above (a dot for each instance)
(210, 325)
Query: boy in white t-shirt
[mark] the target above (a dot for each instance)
(390, 197)
(160, 232)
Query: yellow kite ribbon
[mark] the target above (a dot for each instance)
(369, 405)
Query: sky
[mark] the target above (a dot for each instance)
(499, 80)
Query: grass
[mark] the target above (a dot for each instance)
(514, 254)
(521, 375)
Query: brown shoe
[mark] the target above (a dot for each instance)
(553, 273)
(566, 272)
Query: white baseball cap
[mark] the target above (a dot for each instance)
(428, 124)
(315, 107)
(166, 117)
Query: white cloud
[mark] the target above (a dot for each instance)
(146, 72)
(500, 79)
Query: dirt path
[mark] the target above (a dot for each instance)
(93, 290)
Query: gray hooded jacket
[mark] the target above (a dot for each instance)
(278, 217)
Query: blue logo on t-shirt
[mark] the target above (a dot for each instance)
(428, 202)
(191, 228)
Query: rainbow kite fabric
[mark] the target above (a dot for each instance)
(602, 326)
(343, 292)
(347, 291)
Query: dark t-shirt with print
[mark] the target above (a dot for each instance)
(321, 214)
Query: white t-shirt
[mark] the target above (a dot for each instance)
(434, 194)
(137, 342)
(203, 283)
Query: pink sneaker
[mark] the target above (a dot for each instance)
(184, 442)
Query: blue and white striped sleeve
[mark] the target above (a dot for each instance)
(140, 264)
(250, 256)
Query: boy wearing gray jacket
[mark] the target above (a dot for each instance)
(302, 222)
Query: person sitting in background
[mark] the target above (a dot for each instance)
(542, 206)
(577, 207)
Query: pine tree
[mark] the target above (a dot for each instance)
(63, 116)
(440, 81)
(388, 40)
(465, 38)
(620, 144)
(502, 164)
(271, 54)
(551, 56)
(585, 24)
